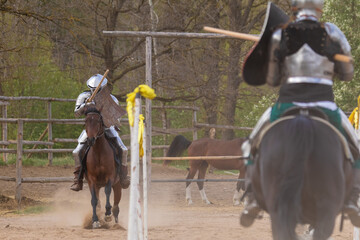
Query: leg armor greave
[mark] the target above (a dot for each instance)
(79, 148)
(263, 119)
(246, 146)
(76, 155)
(124, 151)
(114, 134)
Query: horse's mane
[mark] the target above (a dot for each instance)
(92, 110)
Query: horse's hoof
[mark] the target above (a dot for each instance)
(96, 225)
(108, 218)
(125, 182)
(246, 220)
(236, 202)
(208, 202)
(189, 201)
(248, 216)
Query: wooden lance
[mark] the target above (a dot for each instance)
(256, 38)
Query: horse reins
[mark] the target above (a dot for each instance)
(101, 128)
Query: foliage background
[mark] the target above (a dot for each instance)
(50, 49)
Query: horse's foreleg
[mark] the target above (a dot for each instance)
(240, 185)
(201, 176)
(190, 175)
(108, 205)
(94, 201)
(117, 197)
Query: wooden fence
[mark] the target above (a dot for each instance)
(52, 140)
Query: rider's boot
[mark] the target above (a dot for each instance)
(78, 154)
(351, 207)
(124, 178)
(78, 181)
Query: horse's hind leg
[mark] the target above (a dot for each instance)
(202, 172)
(108, 205)
(94, 200)
(325, 223)
(190, 175)
(117, 197)
(279, 231)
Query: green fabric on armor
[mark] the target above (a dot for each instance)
(249, 162)
(357, 164)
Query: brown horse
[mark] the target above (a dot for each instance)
(101, 168)
(209, 147)
(301, 176)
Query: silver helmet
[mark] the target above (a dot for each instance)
(94, 81)
(307, 7)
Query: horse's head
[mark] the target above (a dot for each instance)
(94, 125)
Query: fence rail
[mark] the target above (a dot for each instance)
(49, 143)
(39, 179)
(200, 158)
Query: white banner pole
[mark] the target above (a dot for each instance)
(133, 230)
(356, 234)
(145, 181)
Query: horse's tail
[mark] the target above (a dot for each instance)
(297, 147)
(177, 147)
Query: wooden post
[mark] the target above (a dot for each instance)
(19, 155)
(145, 191)
(50, 154)
(134, 214)
(148, 81)
(356, 233)
(195, 135)
(164, 126)
(4, 132)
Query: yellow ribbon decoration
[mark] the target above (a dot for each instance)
(140, 135)
(144, 91)
(354, 116)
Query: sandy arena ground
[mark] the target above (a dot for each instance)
(169, 216)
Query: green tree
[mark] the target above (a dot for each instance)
(346, 15)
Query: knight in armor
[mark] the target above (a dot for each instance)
(301, 61)
(110, 132)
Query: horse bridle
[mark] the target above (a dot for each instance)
(98, 135)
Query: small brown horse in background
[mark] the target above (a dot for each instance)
(209, 147)
(101, 169)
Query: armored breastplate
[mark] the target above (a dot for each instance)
(304, 59)
(307, 64)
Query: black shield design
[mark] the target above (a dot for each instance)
(255, 65)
